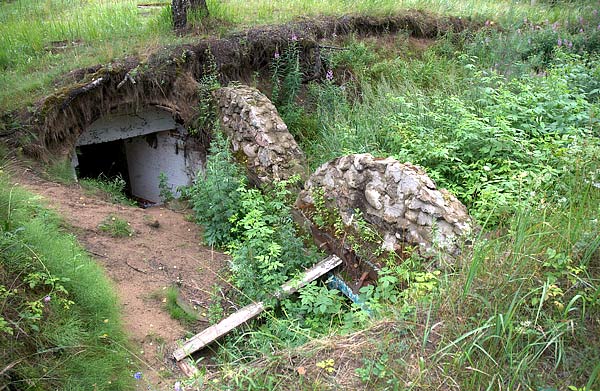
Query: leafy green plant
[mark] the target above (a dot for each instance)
(164, 188)
(286, 80)
(207, 112)
(214, 196)
(266, 250)
(116, 227)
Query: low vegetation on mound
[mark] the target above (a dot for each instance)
(505, 119)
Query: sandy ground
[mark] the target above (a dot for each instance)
(141, 267)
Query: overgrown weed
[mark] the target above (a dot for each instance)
(520, 307)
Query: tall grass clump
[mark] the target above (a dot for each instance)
(59, 318)
(40, 41)
(527, 300)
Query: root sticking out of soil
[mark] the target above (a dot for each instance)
(170, 78)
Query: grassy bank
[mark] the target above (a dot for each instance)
(59, 317)
(42, 41)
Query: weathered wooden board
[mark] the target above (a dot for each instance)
(188, 367)
(250, 311)
(309, 276)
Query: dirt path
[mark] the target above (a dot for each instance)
(141, 266)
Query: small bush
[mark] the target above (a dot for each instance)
(266, 250)
(214, 195)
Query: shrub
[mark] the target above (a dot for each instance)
(214, 196)
(266, 250)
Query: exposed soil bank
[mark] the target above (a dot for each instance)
(170, 78)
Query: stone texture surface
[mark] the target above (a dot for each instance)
(400, 200)
(258, 135)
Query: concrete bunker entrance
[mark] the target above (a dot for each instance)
(138, 147)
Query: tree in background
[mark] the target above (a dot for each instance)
(180, 11)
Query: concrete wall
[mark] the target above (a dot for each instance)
(126, 125)
(154, 143)
(148, 156)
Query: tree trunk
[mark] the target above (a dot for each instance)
(199, 6)
(179, 8)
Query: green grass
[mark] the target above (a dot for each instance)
(41, 41)
(116, 227)
(75, 340)
(185, 315)
(521, 310)
(61, 171)
(113, 189)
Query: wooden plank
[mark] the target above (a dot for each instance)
(250, 311)
(188, 367)
(210, 334)
(309, 276)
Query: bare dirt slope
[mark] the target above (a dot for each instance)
(141, 266)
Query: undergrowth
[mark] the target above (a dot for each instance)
(519, 146)
(116, 226)
(40, 42)
(506, 118)
(111, 188)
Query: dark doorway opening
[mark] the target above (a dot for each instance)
(105, 161)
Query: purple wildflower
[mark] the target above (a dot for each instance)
(178, 386)
(329, 75)
(599, 27)
(570, 44)
(294, 37)
(47, 299)
(559, 42)
(137, 375)
(276, 55)
(580, 30)
(487, 23)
